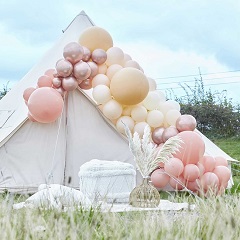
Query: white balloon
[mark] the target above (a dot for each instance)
(133, 64)
(100, 79)
(112, 109)
(102, 68)
(139, 113)
(112, 70)
(139, 128)
(115, 55)
(126, 58)
(155, 118)
(162, 95)
(173, 104)
(172, 116)
(128, 121)
(152, 84)
(101, 94)
(151, 102)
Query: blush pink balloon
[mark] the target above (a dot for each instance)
(191, 149)
(27, 93)
(186, 123)
(44, 81)
(86, 84)
(61, 91)
(193, 186)
(99, 56)
(177, 184)
(201, 168)
(223, 173)
(174, 167)
(50, 72)
(86, 54)
(64, 68)
(57, 82)
(69, 84)
(94, 69)
(81, 71)
(169, 132)
(159, 178)
(157, 135)
(45, 104)
(221, 161)
(209, 180)
(209, 163)
(191, 172)
(73, 52)
(31, 118)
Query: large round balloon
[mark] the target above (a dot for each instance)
(191, 149)
(95, 37)
(129, 86)
(45, 104)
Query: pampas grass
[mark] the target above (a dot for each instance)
(146, 154)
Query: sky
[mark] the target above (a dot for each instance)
(173, 41)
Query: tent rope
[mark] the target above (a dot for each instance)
(50, 174)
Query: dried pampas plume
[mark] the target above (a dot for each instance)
(146, 154)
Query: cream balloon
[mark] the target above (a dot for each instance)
(172, 116)
(127, 110)
(129, 86)
(115, 55)
(171, 104)
(151, 101)
(112, 109)
(101, 94)
(95, 37)
(155, 118)
(133, 64)
(126, 58)
(162, 96)
(102, 68)
(112, 70)
(152, 84)
(139, 113)
(100, 79)
(139, 128)
(127, 121)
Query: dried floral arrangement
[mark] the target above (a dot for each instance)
(146, 154)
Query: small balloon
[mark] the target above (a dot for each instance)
(124, 121)
(50, 73)
(223, 173)
(112, 70)
(69, 83)
(100, 79)
(99, 56)
(139, 128)
(169, 132)
(57, 82)
(101, 94)
(94, 69)
(177, 183)
(112, 109)
(64, 68)
(73, 52)
(27, 92)
(115, 55)
(139, 113)
(86, 84)
(209, 180)
(81, 71)
(133, 64)
(209, 163)
(186, 123)
(221, 161)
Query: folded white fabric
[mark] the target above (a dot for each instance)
(55, 196)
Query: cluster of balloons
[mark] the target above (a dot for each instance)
(192, 169)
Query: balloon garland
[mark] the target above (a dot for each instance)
(126, 95)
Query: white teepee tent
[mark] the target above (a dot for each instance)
(31, 152)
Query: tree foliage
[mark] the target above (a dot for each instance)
(4, 91)
(216, 115)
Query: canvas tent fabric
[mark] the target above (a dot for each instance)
(32, 153)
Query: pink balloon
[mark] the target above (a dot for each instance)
(73, 52)
(44, 81)
(61, 91)
(27, 93)
(209, 163)
(186, 123)
(86, 54)
(45, 104)
(64, 68)
(86, 84)
(81, 71)
(50, 72)
(99, 56)
(191, 172)
(57, 82)
(223, 173)
(159, 178)
(157, 135)
(221, 161)
(69, 83)
(201, 168)
(191, 149)
(31, 118)
(209, 180)
(169, 132)
(174, 167)
(94, 69)
(193, 186)
(175, 184)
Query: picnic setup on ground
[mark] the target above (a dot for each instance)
(87, 127)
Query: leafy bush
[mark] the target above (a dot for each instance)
(215, 114)
(4, 91)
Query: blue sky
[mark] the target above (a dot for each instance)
(169, 39)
